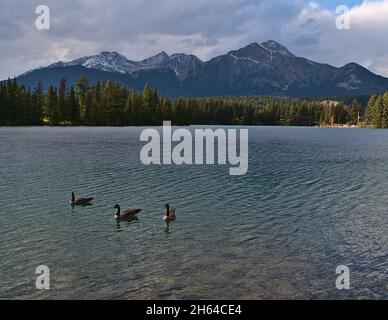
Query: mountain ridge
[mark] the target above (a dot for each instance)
(268, 68)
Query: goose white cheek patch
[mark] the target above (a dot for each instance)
(183, 146)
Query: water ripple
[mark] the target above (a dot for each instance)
(312, 199)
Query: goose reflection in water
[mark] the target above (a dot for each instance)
(121, 225)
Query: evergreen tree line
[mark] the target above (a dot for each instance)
(376, 113)
(110, 103)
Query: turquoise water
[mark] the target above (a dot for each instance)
(313, 199)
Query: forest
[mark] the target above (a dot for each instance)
(112, 104)
(376, 113)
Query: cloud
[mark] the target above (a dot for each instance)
(380, 65)
(140, 28)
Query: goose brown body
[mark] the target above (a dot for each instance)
(126, 214)
(79, 201)
(170, 214)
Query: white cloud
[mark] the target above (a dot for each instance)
(379, 65)
(315, 36)
(206, 28)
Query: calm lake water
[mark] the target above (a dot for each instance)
(313, 199)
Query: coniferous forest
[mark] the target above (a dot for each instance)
(110, 103)
(376, 113)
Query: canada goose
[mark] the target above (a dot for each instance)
(170, 214)
(126, 214)
(79, 201)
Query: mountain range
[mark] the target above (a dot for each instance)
(268, 68)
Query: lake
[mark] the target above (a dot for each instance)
(313, 199)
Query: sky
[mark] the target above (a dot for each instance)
(206, 28)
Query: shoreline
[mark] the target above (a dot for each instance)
(339, 126)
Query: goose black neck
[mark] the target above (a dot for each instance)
(118, 211)
(72, 196)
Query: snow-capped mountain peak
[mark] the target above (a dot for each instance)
(267, 68)
(184, 65)
(155, 60)
(104, 61)
(276, 48)
(180, 63)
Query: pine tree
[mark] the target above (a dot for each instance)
(384, 113)
(378, 112)
(354, 111)
(38, 103)
(73, 106)
(52, 105)
(63, 112)
(370, 110)
(82, 87)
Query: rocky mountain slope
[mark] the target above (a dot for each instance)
(268, 68)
